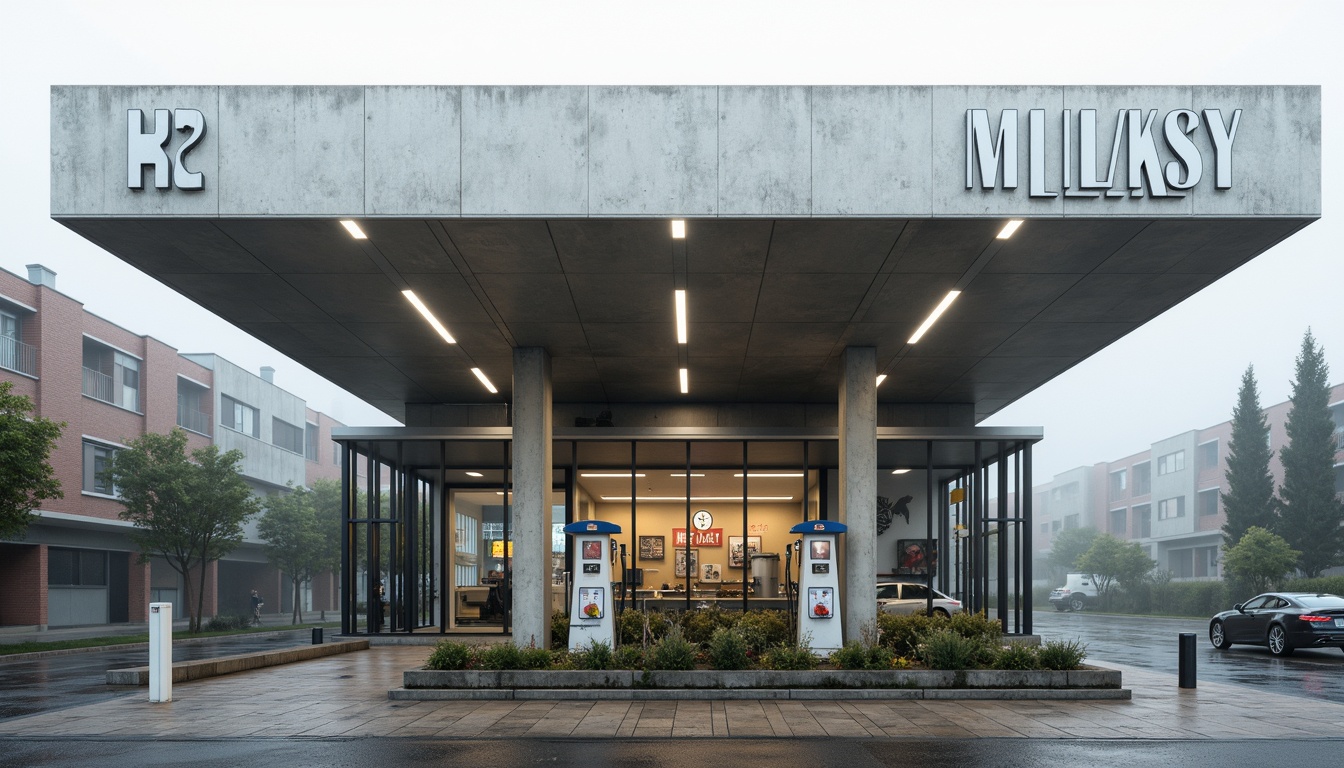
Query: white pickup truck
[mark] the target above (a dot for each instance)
(1078, 592)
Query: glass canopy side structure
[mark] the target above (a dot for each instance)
(427, 544)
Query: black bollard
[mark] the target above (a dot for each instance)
(1187, 663)
(317, 636)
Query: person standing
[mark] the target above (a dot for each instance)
(256, 608)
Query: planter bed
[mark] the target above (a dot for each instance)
(1085, 683)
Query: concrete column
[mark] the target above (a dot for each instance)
(858, 488)
(531, 496)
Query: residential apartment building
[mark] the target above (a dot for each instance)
(77, 564)
(1167, 498)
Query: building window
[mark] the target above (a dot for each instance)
(1143, 521)
(1054, 526)
(96, 457)
(1208, 502)
(239, 417)
(1118, 522)
(1143, 479)
(192, 405)
(287, 436)
(1070, 522)
(1170, 509)
(1337, 415)
(76, 568)
(14, 354)
(1172, 462)
(1208, 454)
(1045, 529)
(1118, 481)
(111, 376)
(311, 432)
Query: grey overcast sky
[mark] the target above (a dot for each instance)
(1176, 373)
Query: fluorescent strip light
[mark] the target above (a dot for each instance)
(1009, 229)
(933, 316)
(475, 474)
(678, 229)
(609, 474)
(683, 474)
(899, 471)
(699, 498)
(685, 382)
(771, 474)
(429, 316)
(881, 377)
(354, 229)
(681, 316)
(481, 375)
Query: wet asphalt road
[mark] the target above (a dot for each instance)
(57, 682)
(688, 753)
(1152, 643)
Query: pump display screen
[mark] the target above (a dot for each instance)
(592, 567)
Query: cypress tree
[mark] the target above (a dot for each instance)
(1310, 512)
(1249, 500)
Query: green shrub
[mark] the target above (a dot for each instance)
(534, 658)
(501, 656)
(945, 649)
(559, 631)
(859, 655)
(565, 660)
(1059, 654)
(630, 626)
(976, 626)
(1017, 656)
(1333, 585)
(699, 625)
(673, 651)
(789, 657)
(450, 654)
(902, 634)
(728, 649)
(597, 655)
(628, 657)
(227, 623)
(764, 629)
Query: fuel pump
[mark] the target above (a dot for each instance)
(591, 618)
(819, 585)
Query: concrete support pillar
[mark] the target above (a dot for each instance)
(531, 496)
(138, 591)
(858, 488)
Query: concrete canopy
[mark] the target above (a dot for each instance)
(817, 218)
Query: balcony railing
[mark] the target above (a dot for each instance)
(98, 385)
(17, 356)
(192, 419)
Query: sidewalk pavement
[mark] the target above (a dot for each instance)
(346, 696)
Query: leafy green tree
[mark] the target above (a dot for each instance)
(1310, 512)
(1067, 546)
(1114, 562)
(26, 477)
(1259, 560)
(294, 541)
(189, 510)
(1249, 500)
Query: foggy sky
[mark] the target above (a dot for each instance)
(1178, 372)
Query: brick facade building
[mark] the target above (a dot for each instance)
(77, 565)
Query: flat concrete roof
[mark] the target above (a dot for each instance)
(817, 218)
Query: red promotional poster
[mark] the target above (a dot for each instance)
(710, 538)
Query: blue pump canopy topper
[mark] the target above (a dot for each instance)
(592, 526)
(818, 526)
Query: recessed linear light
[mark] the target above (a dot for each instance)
(1009, 229)
(681, 316)
(683, 474)
(881, 377)
(933, 316)
(899, 471)
(685, 382)
(678, 229)
(354, 229)
(609, 474)
(481, 375)
(475, 474)
(429, 316)
(771, 474)
(699, 498)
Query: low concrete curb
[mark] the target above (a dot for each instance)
(177, 640)
(728, 694)
(202, 668)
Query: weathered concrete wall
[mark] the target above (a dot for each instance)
(643, 151)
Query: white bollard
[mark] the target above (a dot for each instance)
(160, 652)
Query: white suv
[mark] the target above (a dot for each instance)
(909, 597)
(1078, 592)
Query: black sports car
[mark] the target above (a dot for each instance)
(1284, 621)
